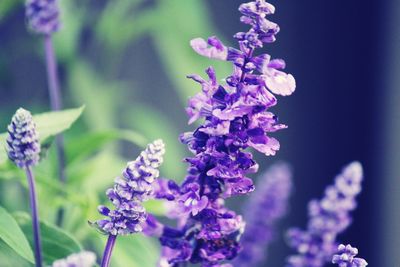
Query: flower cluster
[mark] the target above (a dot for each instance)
(81, 259)
(235, 117)
(129, 191)
(23, 145)
(328, 217)
(346, 257)
(43, 16)
(265, 206)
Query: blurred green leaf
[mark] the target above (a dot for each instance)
(133, 251)
(56, 243)
(8, 257)
(155, 207)
(191, 19)
(121, 15)
(100, 96)
(67, 40)
(155, 126)
(47, 124)
(82, 147)
(13, 236)
(52, 123)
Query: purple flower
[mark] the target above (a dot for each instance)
(23, 145)
(81, 259)
(129, 191)
(43, 16)
(328, 217)
(346, 257)
(234, 116)
(265, 207)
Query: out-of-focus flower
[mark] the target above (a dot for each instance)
(346, 257)
(23, 145)
(328, 217)
(265, 207)
(81, 259)
(43, 16)
(129, 191)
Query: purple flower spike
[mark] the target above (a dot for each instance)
(43, 16)
(129, 191)
(234, 116)
(346, 257)
(23, 145)
(328, 217)
(265, 207)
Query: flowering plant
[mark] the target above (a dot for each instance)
(191, 218)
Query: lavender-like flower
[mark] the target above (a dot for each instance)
(23, 145)
(265, 207)
(23, 149)
(43, 16)
(327, 218)
(235, 117)
(346, 257)
(81, 259)
(127, 195)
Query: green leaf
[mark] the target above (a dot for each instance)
(155, 120)
(9, 258)
(48, 125)
(13, 236)
(67, 40)
(56, 243)
(90, 142)
(155, 207)
(174, 50)
(52, 123)
(133, 251)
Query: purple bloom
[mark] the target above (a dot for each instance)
(81, 259)
(129, 191)
(234, 116)
(43, 16)
(23, 145)
(265, 207)
(328, 217)
(346, 257)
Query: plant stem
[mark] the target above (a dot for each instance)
(56, 104)
(108, 250)
(35, 216)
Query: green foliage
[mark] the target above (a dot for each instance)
(156, 125)
(91, 44)
(12, 235)
(56, 243)
(9, 258)
(190, 20)
(132, 251)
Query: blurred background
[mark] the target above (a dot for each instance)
(126, 60)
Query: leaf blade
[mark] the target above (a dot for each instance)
(13, 236)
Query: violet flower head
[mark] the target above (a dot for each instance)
(234, 116)
(23, 145)
(328, 217)
(81, 259)
(346, 257)
(265, 207)
(43, 16)
(129, 191)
